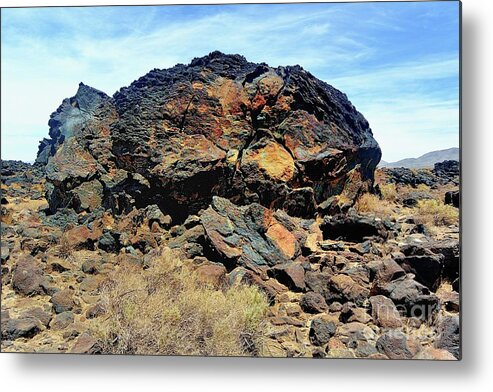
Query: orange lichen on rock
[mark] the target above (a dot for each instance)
(283, 238)
(274, 160)
(230, 94)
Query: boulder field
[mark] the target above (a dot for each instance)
(249, 174)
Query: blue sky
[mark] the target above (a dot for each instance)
(397, 62)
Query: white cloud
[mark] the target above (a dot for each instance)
(408, 116)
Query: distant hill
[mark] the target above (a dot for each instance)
(426, 160)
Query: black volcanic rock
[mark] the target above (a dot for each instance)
(448, 171)
(453, 198)
(405, 176)
(218, 126)
(443, 173)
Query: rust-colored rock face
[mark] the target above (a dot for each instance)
(220, 126)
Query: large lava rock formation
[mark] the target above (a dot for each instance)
(221, 126)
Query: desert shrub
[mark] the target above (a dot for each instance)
(371, 204)
(167, 310)
(423, 188)
(435, 212)
(389, 192)
(65, 250)
(367, 203)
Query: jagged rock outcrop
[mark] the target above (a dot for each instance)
(448, 169)
(446, 172)
(218, 126)
(22, 179)
(251, 236)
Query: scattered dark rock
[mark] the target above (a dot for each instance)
(214, 274)
(343, 289)
(352, 333)
(384, 312)
(329, 245)
(362, 248)
(154, 214)
(450, 250)
(321, 331)
(424, 264)
(395, 345)
(318, 282)
(91, 267)
(318, 353)
(28, 277)
(412, 177)
(350, 312)
(365, 349)
(59, 266)
(194, 236)
(313, 303)
(270, 287)
(453, 198)
(70, 335)
(39, 314)
(291, 275)
(352, 227)
(411, 298)
(431, 261)
(63, 301)
(456, 285)
(91, 284)
(435, 354)
(450, 300)
(4, 252)
(411, 199)
(385, 270)
(300, 202)
(95, 310)
(80, 237)
(86, 344)
(109, 242)
(62, 218)
(448, 329)
(62, 320)
(420, 228)
(20, 328)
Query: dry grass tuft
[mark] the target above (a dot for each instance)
(389, 192)
(436, 213)
(367, 203)
(423, 188)
(371, 204)
(65, 250)
(28, 204)
(166, 310)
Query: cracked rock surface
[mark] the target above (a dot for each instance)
(220, 126)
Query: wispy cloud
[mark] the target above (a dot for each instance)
(46, 52)
(412, 107)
